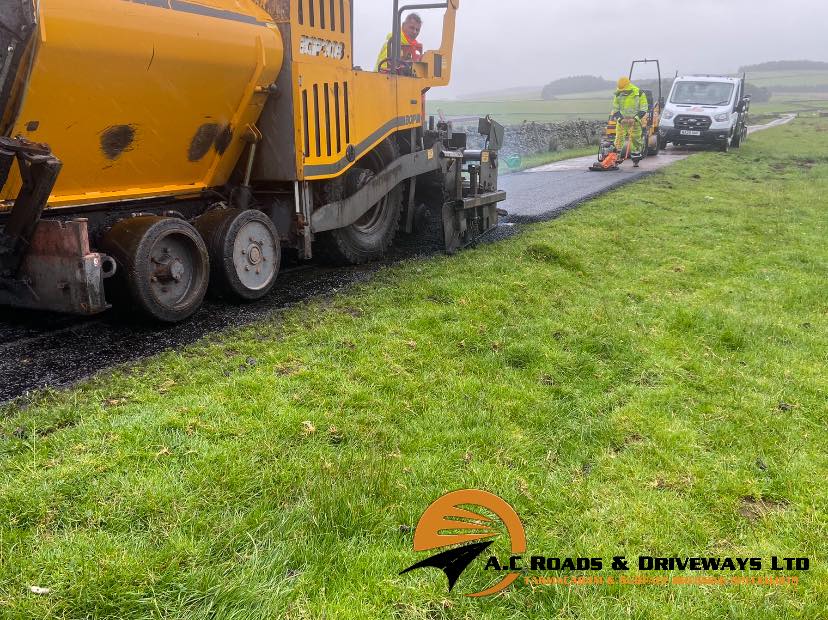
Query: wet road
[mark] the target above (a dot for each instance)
(40, 350)
(541, 193)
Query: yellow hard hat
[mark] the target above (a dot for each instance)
(623, 83)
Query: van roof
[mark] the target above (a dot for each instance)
(709, 77)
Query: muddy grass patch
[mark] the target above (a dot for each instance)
(754, 509)
(798, 163)
(554, 256)
(630, 440)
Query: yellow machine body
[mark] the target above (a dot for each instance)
(145, 99)
(338, 113)
(176, 145)
(153, 98)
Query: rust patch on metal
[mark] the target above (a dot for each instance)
(203, 140)
(32, 126)
(224, 138)
(116, 140)
(56, 238)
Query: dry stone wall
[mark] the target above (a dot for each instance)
(529, 137)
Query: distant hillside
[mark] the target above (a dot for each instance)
(592, 84)
(793, 81)
(576, 84)
(758, 94)
(782, 77)
(652, 85)
(786, 65)
(517, 93)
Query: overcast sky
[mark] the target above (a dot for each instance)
(506, 43)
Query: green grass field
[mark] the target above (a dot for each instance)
(510, 109)
(515, 112)
(769, 79)
(540, 159)
(644, 376)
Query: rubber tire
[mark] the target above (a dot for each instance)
(130, 243)
(353, 245)
(645, 144)
(219, 228)
(738, 138)
(653, 151)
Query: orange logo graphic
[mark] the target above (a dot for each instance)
(468, 533)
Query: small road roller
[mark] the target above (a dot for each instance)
(152, 150)
(608, 156)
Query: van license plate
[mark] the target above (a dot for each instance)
(688, 132)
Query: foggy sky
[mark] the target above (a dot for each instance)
(509, 43)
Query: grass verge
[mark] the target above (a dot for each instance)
(644, 376)
(541, 159)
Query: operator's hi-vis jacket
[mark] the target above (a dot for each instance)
(630, 103)
(383, 55)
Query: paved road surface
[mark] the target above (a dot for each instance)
(540, 193)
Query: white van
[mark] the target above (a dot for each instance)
(706, 109)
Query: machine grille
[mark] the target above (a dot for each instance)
(326, 119)
(323, 14)
(696, 123)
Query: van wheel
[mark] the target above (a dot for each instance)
(368, 238)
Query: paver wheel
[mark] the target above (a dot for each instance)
(245, 252)
(162, 265)
(369, 237)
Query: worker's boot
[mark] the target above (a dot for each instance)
(636, 157)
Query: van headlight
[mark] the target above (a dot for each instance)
(668, 114)
(721, 118)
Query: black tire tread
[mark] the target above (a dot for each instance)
(215, 228)
(130, 249)
(341, 247)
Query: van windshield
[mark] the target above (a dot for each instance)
(702, 93)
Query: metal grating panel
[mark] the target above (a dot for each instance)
(323, 14)
(325, 120)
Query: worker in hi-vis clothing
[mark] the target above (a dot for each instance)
(410, 48)
(629, 110)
